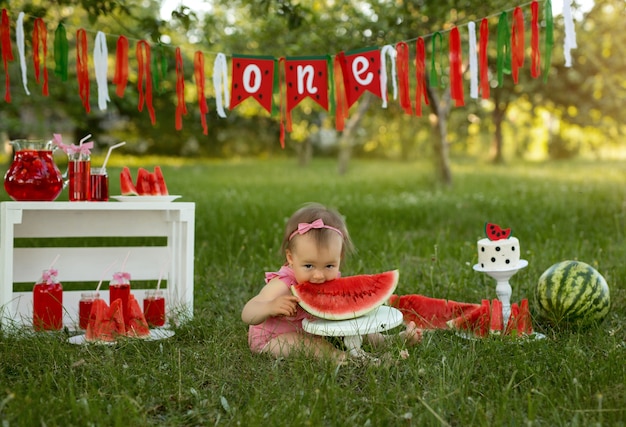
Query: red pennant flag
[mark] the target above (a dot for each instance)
(7, 52)
(456, 68)
(306, 77)
(143, 65)
(420, 76)
(482, 58)
(402, 48)
(535, 66)
(361, 72)
(82, 67)
(121, 66)
(252, 76)
(198, 63)
(181, 107)
(517, 43)
(40, 36)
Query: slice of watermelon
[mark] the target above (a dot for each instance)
(476, 321)
(144, 188)
(497, 322)
(511, 326)
(105, 323)
(429, 313)
(127, 188)
(524, 322)
(160, 180)
(136, 325)
(346, 297)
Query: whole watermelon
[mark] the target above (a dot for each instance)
(572, 293)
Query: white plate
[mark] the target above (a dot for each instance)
(381, 319)
(145, 198)
(155, 335)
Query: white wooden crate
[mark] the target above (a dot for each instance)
(168, 225)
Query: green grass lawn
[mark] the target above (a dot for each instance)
(399, 217)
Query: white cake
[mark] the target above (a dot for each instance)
(503, 254)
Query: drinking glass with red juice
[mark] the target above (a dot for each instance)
(154, 308)
(119, 288)
(48, 302)
(79, 171)
(84, 308)
(99, 185)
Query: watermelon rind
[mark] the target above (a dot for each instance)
(346, 297)
(572, 293)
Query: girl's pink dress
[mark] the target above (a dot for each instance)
(259, 335)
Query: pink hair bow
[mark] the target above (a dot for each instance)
(121, 277)
(83, 149)
(49, 276)
(305, 227)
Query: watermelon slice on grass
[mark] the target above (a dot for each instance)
(429, 313)
(105, 323)
(136, 325)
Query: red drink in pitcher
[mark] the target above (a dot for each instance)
(47, 305)
(154, 308)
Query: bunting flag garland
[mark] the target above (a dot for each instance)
(143, 63)
(7, 52)
(535, 57)
(504, 48)
(120, 79)
(220, 84)
(456, 68)
(198, 67)
(473, 60)
(40, 36)
(19, 41)
(253, 76)
(61, 52)
(334, 82)
(435, 53)
(82, 68)
(100, 64)
(402, 49)
(517, 43)
(483, 59)
(181, 107)
(420, 76)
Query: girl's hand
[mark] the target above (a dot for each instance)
(284, 305)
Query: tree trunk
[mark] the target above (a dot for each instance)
(346, 141)
(498, 115)
(441, 110)
(305, 153)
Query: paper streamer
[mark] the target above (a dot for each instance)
(220, 84)
(40, 37)
(143, 62)
(101, 67)
(388, 50)
(120, 79)
(19, 41)
(82, 68)
(535, 57)
(549, 40)
(402, 49)
(181, 107)
(198, 71)
(456, 68)
(7, 51)
(420, 76)
(473, 60)
(517, 43)
(434, 76)
(61, 52)
(570, 33)
(504, 48)
(483, 59)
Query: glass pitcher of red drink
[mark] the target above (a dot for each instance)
(33, 175)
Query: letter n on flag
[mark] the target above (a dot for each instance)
(306, 77)
(253, 76)
(361, 72)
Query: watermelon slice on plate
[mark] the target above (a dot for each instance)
(136, 325)
(105, 323)
(346, 297)
(160, 181)
(127, 188)
(144, 186)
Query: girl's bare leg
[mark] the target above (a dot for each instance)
(294, 342)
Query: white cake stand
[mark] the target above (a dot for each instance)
(503, 287)
(353, 330)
